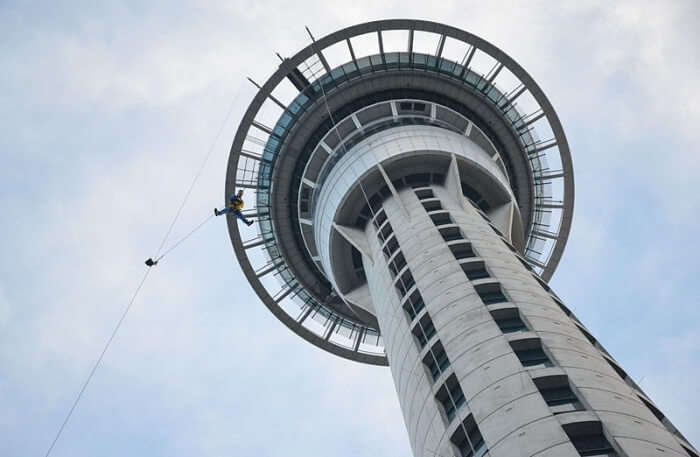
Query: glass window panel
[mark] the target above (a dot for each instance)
(441, 218)
(424, 329)
(424, 193)
(533, 357)
(468, 439)
(429, 329)
(462, 250)
(476, 273)
(510, 325)
(589, 445)
(491, 295)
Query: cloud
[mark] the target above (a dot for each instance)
(678, 358)
(109, 109)
(5, 309)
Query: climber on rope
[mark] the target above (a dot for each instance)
(235, 206)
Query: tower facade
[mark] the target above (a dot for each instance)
(413, 189)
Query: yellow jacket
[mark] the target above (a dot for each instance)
(237, 204)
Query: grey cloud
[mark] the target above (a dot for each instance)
(108, 113)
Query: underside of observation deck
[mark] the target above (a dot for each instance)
(351, 85)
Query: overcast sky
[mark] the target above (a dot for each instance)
(105, 114)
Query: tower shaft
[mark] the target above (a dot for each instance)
(482, 355)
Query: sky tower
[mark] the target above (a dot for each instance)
(414, 190)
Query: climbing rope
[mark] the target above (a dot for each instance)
(181, 240)
(198, 174)
(333, 123)
(340, 140)
(158, 256)
(343, 145)
(97, 363)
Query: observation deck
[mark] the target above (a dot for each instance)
(360, 83)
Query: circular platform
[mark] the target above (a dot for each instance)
(372, 77)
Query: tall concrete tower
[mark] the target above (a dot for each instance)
(414, 191)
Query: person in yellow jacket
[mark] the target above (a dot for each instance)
(235, 205)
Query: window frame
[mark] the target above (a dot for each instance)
(583, 434)
(419, 330)
(491, 293)
(508, 314)
(475, 270)
(424, 193)
(451, 233)
(441, 217)
(390, 246)
(404, 282)
(451, 397)
(468, 433)
(556, 391)
(409, 304)
(436, 360)
(529, 347)
(462, 250)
